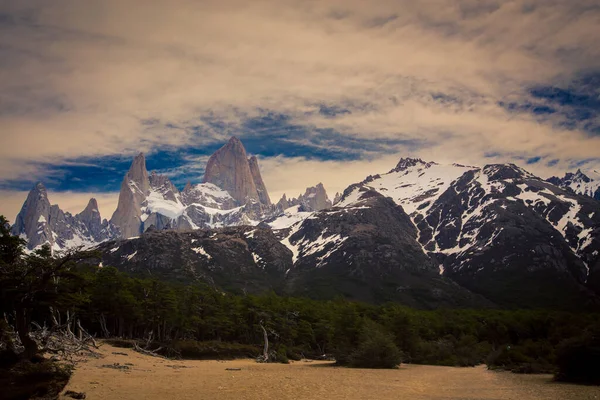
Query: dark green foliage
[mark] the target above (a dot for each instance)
(38, 378)
(578, 360)
(123, 343)
(376, 348)
(213, 350)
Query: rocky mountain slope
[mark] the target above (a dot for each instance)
(498, 230)
(587, 184)
(366, 251)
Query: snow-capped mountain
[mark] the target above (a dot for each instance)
(39, 223)
(587, 184)
(424, 234)
(233, 193)
(495, 227)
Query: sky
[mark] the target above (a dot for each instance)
(321, 91)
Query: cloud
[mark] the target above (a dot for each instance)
(356, 82)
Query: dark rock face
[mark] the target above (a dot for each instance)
(368, 251)
(579, 183)
(237, 258)
(500, 231)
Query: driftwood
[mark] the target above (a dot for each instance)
(147, 352)
(61, 341)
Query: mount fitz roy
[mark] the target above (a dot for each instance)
(232, 193)
(424, 234)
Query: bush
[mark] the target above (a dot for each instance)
(39, 378)
(214, 350)
(526, 358)
(578, 360)
(282, 355)
(376, 349)
(123, 343)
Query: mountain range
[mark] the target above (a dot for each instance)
(423, 234)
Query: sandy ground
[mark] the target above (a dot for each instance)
(154, 378)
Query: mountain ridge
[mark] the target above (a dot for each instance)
(424, 234)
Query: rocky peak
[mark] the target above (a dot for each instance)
(585, 183)
(163, 185)
(32, 220)
(134, 189)
(90, 212)
(581, 176)
(229, 169)
(408, 162)
(315, 198)
(263, 195)
(138, 173)
(337, 197)
(283, 203)
(505, 171)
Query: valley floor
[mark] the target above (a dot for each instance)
(136, 376)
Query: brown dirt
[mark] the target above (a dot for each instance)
(154, 378)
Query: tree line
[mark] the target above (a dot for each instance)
(197, 321)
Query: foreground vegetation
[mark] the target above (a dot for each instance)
(197, 321)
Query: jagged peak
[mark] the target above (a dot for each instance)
(137, 171)
(90, 210)
(39, 187)
(235, 144)
(409, 162)
(505, 171)
(92, 205)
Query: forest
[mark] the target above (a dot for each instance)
(39, 290)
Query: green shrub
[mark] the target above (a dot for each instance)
(214, 350)
(578, 360)
(376, 349)
(38, 379)
(123, 343)
(281, 355)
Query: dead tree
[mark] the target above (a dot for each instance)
(265, 356)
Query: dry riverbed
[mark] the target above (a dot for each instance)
(125, 374)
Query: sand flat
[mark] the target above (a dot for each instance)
(155, 378)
